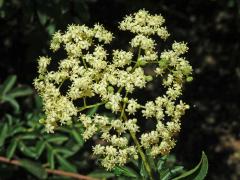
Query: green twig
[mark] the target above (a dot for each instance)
(139, 148)
(91, 106)
(84, 102)
(84, 63)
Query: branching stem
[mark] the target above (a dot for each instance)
(91, 106)
(139, 148)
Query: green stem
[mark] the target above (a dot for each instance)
(84, 102)
(144, 159)
(120, 89)
(91, 106)
(124, 106)
(84, 63)
(133, 134)
(136, 64)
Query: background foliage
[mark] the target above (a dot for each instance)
(212, 29)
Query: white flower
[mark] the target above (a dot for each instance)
(132, 106)
(131, 125)
(144, 23)
(86, 120)
(174, 92)
(180, 47)
(119, 141)
(109, 162)
(49, 128)
(166, 146)
(122, 157)
(43, 62)
(118, 125)
(121, 58)
(89, 132)
(143, 42)
(138, 78)
(148, 139)
(111, 151)
(114, 101)
(101, 121)
(149, 109)
(102, 34)
(163, 33)
(56, 41)
(98, 150)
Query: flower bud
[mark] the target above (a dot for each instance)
(125, 99)
(129, 69)
(148, 78)
(108, 105)
(142, 62)
(69, 123)
(189, 78)
(41, 121)
(110, 89)
(163, 63)
(135, 157)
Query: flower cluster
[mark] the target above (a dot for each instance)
(144, 24)
(90, 72)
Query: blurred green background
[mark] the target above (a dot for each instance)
(212, 30)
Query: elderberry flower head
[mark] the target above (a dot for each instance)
(90, 75)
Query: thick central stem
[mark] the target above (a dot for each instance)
(139, 148)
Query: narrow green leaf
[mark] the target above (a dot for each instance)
(63, 129)
(56, 139)
(1, 3)
(51, 28)
(66, 165)
(197, 173)
(9, 119)
(136, 163)
(101, 174)
(40, 147)
(29, 136)
(8, 84)
(11, 149)
(170, 173)
(143, 171)
(78, 137)
(73, 146)
(16, 130)
(38, 102)
(3, 134)
(92, 111)
(20, 91)
(65, 152)
(31, 122)
(51, 158)
(125, 171)
(176, 170)
(42, 17)
(151, 162)
(34, 168)
(161, 162)
(11, 101)
(26, 150)
(164, 173)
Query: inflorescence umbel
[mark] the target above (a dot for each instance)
(111, 78)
